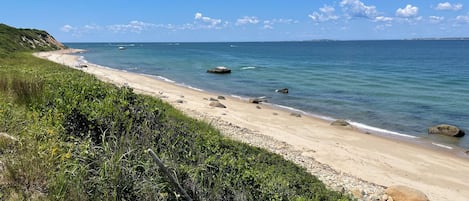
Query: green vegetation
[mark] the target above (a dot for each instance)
(81, 139)
(13, 39)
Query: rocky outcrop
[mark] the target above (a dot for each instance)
(404, 193)
(219, 70)
(445, 129)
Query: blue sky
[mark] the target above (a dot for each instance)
(238, 20)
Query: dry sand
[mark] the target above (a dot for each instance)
(341, 157)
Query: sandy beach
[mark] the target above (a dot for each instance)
(343, 158)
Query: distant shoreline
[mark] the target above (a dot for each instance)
(292, 41)
(378, 160)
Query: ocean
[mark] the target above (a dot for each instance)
(395, 88)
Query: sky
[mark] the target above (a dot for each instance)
(238, 20)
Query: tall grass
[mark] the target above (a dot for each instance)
(25, 90)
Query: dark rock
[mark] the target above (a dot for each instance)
(445, 129)
(221, 97)
(212, 99)
(341, 122)
(295, 114)
(219, 70)
(405, 193)
(217, 104)
(283, 91)
(256, 100)
(179, 101)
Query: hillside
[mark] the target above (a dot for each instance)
(13, 39)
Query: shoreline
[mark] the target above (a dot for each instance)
(344, 159)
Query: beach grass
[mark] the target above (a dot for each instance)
(83, 139)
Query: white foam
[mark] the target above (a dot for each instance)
(248, 68)
(165, 79)
(236, 96)
(380, 130)
(289, 108)
(442, 145)
(191, 87)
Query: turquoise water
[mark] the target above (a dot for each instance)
(400, 87)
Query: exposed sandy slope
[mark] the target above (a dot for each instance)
(441, 175)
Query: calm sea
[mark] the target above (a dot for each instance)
(390, 87)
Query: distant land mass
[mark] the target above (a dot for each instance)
(446, 38)
(435, 38)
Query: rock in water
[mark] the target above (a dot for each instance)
(404, 193)
(283, 91)
(217, 104)
(219, 70)
(445, 129)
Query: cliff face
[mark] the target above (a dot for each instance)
(13, 39)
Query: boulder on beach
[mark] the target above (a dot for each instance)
(255, 100)
(295, 114)
(341, 122)
(221, 97)
(217, 104)
(258, 100)
(283, 91)
(404, 193)
(445, 129)
(219, 70)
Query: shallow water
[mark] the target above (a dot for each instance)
(399, 86)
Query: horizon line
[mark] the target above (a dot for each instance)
(272, 41)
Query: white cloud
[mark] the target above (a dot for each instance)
(382, 27)
(383, 19)
(449, 6)
(269, 24)
(67, 28)
(408, 12)
(326, 13)
(356, 8)
(134, 26)
(198, 16)
(463, 18)
(435, 19)
(210, 22)
(285, 21)
(247, 20)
